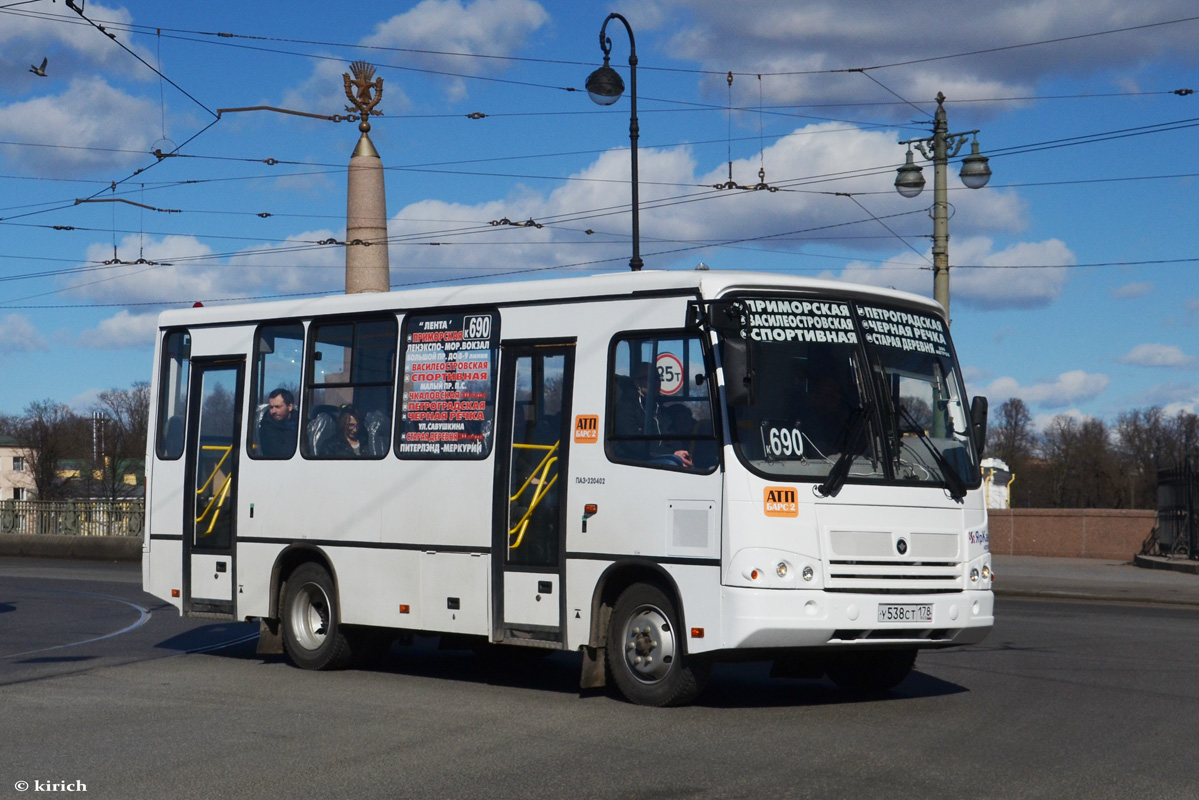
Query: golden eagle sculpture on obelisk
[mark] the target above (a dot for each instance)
(367, 268)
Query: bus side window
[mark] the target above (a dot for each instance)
(349, 388)
(172, 394)
(659, 409)
(278, 358)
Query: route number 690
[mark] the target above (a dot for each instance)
(783, 442)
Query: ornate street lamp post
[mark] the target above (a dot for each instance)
(909, 183)
(605, 87)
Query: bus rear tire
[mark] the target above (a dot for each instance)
(871, 672)
(313, 638)
(645, 650)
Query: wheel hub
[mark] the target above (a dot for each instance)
(648, 644)
(310, 617)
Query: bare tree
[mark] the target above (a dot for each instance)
(1011, 437)
(49, 434)
(1080, 463)
(121, 420)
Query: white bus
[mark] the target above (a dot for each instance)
(658, 469)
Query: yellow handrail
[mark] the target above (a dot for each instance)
(228, 449)
(551, 448)
(218, 497)
(541, 473)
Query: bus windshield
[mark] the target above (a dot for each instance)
(862, 389)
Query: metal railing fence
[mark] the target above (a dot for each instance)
(73, 517)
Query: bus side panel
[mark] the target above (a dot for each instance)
(582, 574)
(435, 503)
(254, 561)
(162, 558)
(456, 592)
(374, 584)
(162, 570)
(700, 598)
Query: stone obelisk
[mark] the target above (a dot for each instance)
(367, 267)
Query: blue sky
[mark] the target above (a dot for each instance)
(1074, 273)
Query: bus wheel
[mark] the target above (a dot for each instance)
(312, 636)
(871, 672)
(645, 650)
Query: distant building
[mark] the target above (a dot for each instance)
(16, 475)
(997, 482)
(85, 481)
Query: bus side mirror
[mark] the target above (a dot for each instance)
(978, 422)
(738, 372)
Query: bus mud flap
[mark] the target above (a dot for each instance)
(270, 641)
(593, 675)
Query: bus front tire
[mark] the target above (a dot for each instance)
(871, 672)
(645, 650)
(313, 638)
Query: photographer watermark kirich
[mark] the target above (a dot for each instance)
(50, 786)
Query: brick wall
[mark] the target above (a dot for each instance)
(1069, 532)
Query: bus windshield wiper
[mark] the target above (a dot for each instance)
(953, 481)
(840, 471)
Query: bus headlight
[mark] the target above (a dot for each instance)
(808, 573)
(974, 575)
(781, 569)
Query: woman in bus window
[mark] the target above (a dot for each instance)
(348, 443)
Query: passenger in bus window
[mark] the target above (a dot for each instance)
(347, 443)
(277, 430)
(637, 415)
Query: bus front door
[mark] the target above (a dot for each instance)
(210, 507)
(530, 507)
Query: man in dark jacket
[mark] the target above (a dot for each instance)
(277, 431)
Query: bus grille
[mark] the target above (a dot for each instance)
(890, 577)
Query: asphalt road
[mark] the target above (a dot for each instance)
(100, 684)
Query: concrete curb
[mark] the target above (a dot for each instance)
(1189, 566)
(88, 548)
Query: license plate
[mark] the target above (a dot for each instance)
(905, 613)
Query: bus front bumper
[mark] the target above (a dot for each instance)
(780, 618)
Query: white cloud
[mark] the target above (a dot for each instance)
(1172, 397)
(1068, 388)
(1132, 290)
(85, 401)
(89, 127)
(492, 27)
(124, 330)
(431, 29)
(597, 198)
(1157, 355)
(765, 36)
(18, 335)
(495, 27)
(186, 270)
(1024, 275)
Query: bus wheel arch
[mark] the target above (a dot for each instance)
(288, 562)
(646, 649)
(641, 591)
(614, 580)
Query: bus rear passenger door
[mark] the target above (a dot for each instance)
(530, 505)
(210, 505)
